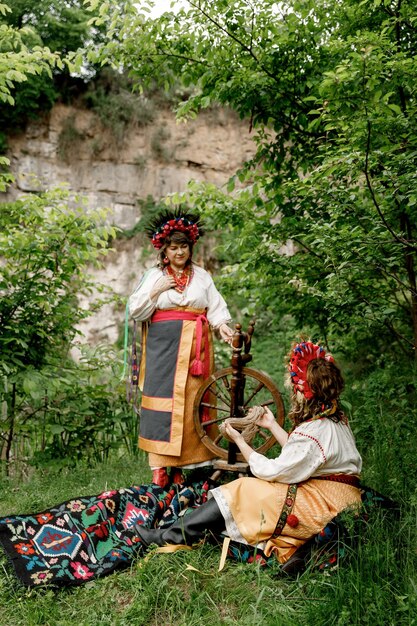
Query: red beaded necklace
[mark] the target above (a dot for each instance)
(181, 278)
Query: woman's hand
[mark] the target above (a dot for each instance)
(226, 333)
(267, 420)
(162, 284)
(237, 438)
(234, 434)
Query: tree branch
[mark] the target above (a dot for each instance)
(400, 240)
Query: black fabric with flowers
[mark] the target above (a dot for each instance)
(92, 536)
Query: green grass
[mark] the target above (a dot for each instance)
(377, 586)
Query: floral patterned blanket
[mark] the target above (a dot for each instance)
(91, 536)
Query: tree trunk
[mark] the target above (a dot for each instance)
(10, 434)
(411, 273)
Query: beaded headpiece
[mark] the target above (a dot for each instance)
(301, 356)
(167, 222)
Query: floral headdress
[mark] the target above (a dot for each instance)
(301, 356)
(167, 222)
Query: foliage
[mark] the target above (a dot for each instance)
(19, 60)
(35, 37)
(32, 97)
(110, 96)
(19, 63)
(46, 250)
(73, 412)
(321, 239)
(329, 90)
(382, 406)
(159, 144)
(69, 139)
(60, 26)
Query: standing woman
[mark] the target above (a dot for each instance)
(178, 305)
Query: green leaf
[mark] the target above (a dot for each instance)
(56, 429)
(395, 108)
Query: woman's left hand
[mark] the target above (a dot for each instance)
(226, 333)
(267, 419)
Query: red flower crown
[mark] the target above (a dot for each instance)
(167, 223)
(301, 356)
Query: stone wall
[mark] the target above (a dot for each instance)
(70, 146)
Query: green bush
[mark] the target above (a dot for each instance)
(47, 249)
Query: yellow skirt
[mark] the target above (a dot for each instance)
(251, 508)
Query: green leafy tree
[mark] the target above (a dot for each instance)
(35, 37)
(45, 249)
(328, 90)
(20, 62)
(60, 26)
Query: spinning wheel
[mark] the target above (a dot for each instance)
(215, 396)
(230, 392)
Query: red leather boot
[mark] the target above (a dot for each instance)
(160, 477)
(176, 476)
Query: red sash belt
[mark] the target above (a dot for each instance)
(197, 367)
(347, 479)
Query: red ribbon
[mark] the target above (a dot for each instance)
(198, 367)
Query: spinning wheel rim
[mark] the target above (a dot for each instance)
(213, 379)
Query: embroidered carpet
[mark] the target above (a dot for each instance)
(91, 536)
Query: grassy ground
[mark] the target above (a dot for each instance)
(377, 586)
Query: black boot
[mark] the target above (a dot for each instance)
(187, 529)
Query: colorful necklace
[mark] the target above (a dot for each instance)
(182, 278)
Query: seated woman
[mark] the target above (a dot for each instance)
(292, 497)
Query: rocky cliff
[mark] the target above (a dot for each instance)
(72, 146)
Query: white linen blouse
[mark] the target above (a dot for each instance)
(314, 448)
(200, 293)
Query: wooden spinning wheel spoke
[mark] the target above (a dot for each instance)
(210, 422)
(226, 383)
(263, 403)
(215, 407)
(255, 393)
(219, 393)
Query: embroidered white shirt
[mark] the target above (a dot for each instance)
(201, 293)
(314, 448)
